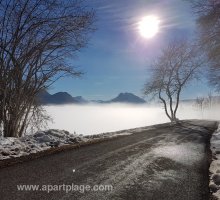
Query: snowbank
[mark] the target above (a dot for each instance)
(214, 168)
(15, 147)
(43, 140)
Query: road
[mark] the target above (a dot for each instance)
(164, 162)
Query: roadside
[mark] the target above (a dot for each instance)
(214, 169)
(166, 162)
(42, 143)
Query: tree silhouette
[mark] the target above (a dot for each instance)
(178, 64)
(37, 38)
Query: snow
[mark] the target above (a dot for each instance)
(214, 168)
(16, 147)
(43, 140)
(180, 152)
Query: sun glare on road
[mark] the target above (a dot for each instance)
(149, 26)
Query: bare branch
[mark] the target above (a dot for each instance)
(178, 64)
(37, 38)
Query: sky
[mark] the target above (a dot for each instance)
(117, 58)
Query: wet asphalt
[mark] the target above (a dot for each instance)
(164, 162)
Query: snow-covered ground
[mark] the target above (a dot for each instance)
(215, 165)
(15, 147)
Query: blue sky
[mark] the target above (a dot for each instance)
(117, 57)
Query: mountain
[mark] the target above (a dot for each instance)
(59, 98)
(99, 101)
(127, 98)
(80, 99)
(44, 97)
(65, 98)
(62, 98)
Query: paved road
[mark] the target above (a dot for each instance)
(163, 163)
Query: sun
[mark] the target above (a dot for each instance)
(149, 26)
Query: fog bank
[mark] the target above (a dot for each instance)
(94, 119)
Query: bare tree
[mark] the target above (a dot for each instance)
(178, 64)
(210, 99)
(37, 40)
(208, 18)
(200, 103)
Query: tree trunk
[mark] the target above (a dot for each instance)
(165, 106)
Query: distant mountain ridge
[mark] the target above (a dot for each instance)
(61, 98)
(128, 98)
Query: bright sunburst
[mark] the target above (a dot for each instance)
(149, 26)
